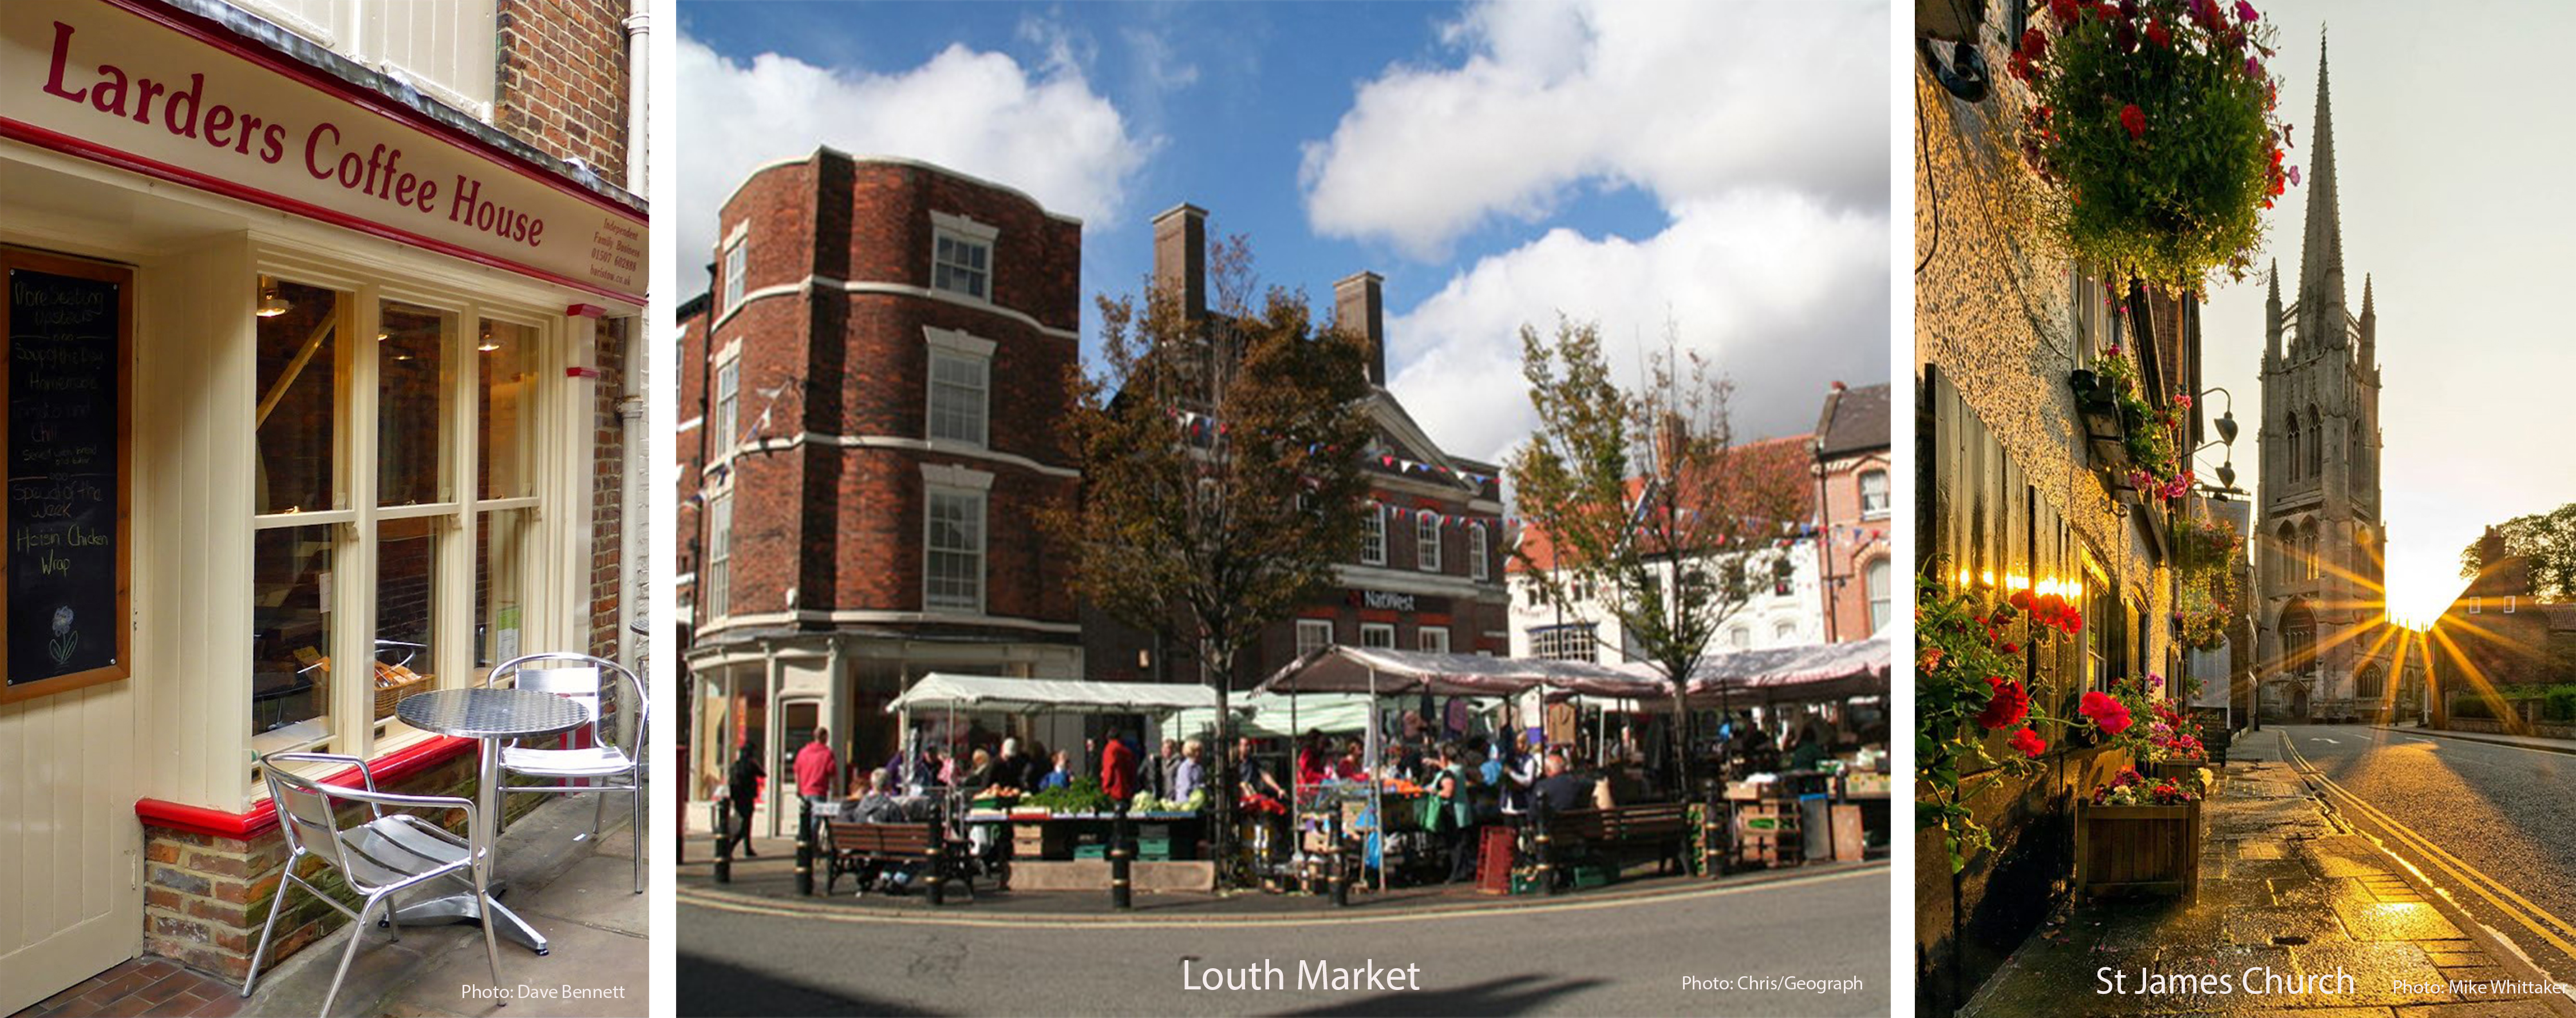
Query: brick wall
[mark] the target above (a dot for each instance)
(205, 897)
(563, 78)
(608, 487)
(1847, 559)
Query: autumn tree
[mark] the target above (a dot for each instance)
(1221, 478)
(1647, 500)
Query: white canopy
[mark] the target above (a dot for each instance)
(1343, 669)
(1039, 696)
(1828, 671)
(1281, 715)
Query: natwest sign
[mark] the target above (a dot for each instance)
(136, 87)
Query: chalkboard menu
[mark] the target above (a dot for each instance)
(66, 515)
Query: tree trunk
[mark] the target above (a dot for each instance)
(1220, 781)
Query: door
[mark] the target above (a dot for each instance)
(71, 905)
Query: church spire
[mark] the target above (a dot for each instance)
(2272, 320)
(2369, 329)
(2321, 308)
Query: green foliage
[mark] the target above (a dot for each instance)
(2211, 556)
(1969, 651)
(2547, 539)
(2152, 434)
(2154, 121)
(1081, 795)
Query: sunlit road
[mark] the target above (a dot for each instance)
(2495, 826)
(1605, 957)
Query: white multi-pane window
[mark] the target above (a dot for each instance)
(1873, 494)
(1432, 638)
(1477, 553)
(394, 503)
(958, 388)
(727, 429)
(1373, 535)
(1878, 603)
(734, 261)
(1426, 542)
(1739, 637)
(953, 566)
(1564, 643)
(1313, 635)
(444, 49)
(1377, 634)
(717, 588)
(961, 256)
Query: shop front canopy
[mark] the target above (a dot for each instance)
(1383, 672)
(1048, 696)
(1829, 671)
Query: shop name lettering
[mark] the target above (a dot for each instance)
(1386, 600)
(378, 174)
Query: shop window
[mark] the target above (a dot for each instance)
(736, 259)
(406, 596)
(728, 407)
(957, 397)
(1373, 536)
(1434, 639)
(960, 260)
(1477, 553)
(301, 362)
(1426, 542)
(1380, 635)
(414, 379)
(1873, 494)
(504, 435)
(953, 574)
(1313, 635)
(717, 588)
(291, 620)
(1878, 596)
(502, 555)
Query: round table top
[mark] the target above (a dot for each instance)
(491, 713)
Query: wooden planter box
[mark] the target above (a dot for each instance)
(2180, 771)
(2154, 849)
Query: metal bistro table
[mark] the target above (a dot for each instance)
(489, 715)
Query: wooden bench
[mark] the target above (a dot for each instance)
(852, 847)
(1658, 831)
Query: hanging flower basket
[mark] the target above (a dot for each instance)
(2153, 122)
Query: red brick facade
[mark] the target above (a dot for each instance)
(563, 83)
(1852, 442)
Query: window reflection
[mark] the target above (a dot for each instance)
(291, 641)
(504, 364)
(298, 412)
(412, 384)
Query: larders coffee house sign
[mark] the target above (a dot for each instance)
(126, 87)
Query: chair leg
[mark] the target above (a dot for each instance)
(635, 828)
(276, 904)
(357, 931)
(598, 813)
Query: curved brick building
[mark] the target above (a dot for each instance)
(872, 402)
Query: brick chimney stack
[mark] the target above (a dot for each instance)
(1359, 307)
(1180, 256)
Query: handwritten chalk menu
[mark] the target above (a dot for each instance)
(65, 556)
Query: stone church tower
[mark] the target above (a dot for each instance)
(2323, 606)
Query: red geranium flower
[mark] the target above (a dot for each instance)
(2106, 712)
(2029, 743)
(2156, 34)
(2065, 10)
(2134, 119)
(2007, 706)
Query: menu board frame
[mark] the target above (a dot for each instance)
(123, 277)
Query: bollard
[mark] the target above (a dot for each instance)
(1546, 857)
(937, 857)
(1121, 893)
(724, 845)
(805, 847)
(1342, 878)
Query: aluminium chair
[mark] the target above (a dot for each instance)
(614, 760)
(388, 854)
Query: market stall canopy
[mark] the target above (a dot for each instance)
(1039, 696)
(1281, 715)
(1398, 672)
(1828, 671)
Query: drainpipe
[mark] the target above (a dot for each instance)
(638, 59)
(631, 514)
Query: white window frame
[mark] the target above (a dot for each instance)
(1373, 536)
(1784, 631)
(1313, 635)
(1426, 542)
(944, 481)
(1380, 635)
(1885, 501)
(728, 408)
(1424, 639)
(1477, 553)
(958, 230)
(1878, 578)
(736, 258)
(716, 590)
(957, 348)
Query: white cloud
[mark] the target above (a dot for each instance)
(1682, 100)
(1045, 132)
(1781, 292)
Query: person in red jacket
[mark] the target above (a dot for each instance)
(1118, 771)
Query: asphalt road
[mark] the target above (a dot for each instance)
(2494, 826)
(1626, 956)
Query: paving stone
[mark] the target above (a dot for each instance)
(2395, 921)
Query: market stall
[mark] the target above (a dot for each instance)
(1373, 821)
(1058, 839)
(1835, 805)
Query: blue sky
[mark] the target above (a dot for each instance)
(1723, 166)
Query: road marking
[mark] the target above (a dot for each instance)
(726, 903)
(2323, 739)
(2497, 745)
(2470, 876)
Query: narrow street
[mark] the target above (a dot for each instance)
(2491, 826)
(1617, 956)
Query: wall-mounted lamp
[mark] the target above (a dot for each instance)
(2226, 437)
(271, 303)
